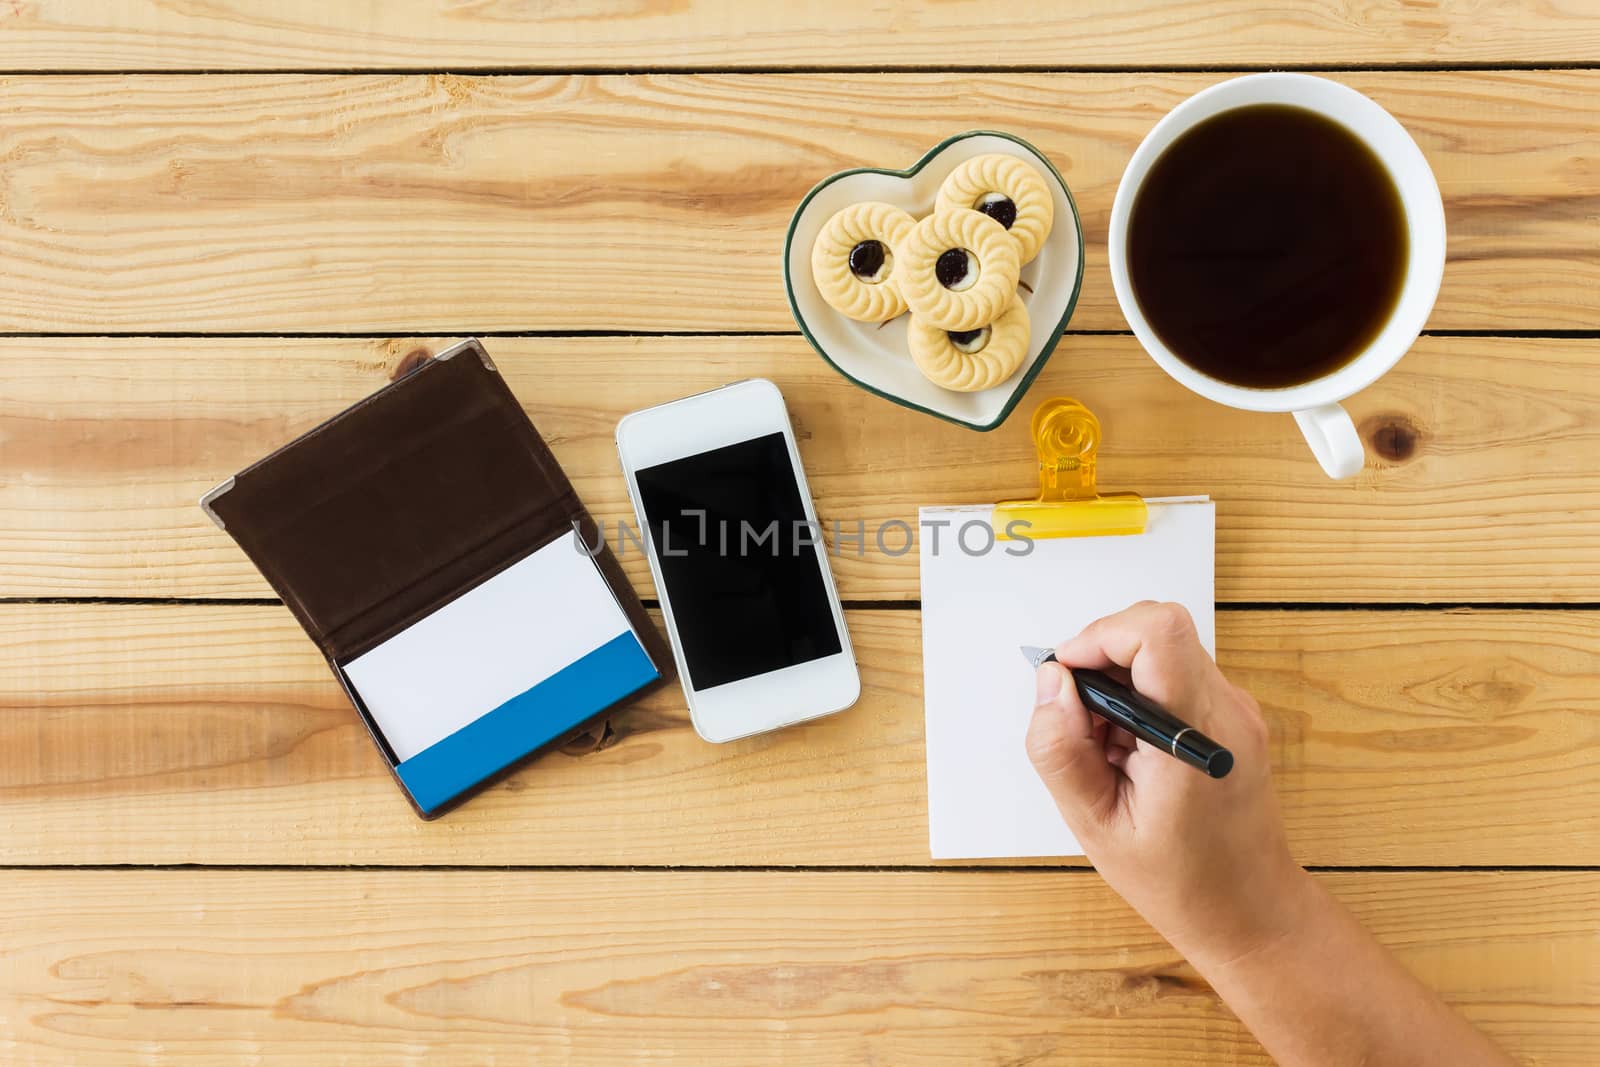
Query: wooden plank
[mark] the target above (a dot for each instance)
(201, 734)
(715, 968)
(443, 202)
(302, 35)
(1480, 482)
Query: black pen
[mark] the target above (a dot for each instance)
(1141, 717)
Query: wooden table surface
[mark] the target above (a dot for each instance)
(222, 222)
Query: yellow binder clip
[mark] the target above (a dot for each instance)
(1067, 436)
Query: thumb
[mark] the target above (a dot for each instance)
(1068, 752)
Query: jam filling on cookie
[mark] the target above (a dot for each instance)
(870, 261)
(997, 206)
(956, 269)
(969, 341)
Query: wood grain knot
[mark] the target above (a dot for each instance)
(1395, 438)
(601, 735)
(1111, 993)
(410, 362)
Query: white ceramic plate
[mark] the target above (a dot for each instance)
(875, 356)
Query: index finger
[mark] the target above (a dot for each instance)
(1156, 643)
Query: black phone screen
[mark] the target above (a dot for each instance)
(739, 561)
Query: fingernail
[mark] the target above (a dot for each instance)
(1047, 683)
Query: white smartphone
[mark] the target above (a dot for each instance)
(738, 560)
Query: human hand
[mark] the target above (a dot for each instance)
(1204, 860)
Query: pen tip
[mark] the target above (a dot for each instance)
(1034, 655)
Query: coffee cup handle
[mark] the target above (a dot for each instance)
(1331, 433)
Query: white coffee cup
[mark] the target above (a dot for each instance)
(1328, 428)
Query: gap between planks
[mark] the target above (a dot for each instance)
(409, 333)
(911, 605)
(600, 71)
(773, 868)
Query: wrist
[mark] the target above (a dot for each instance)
(1276, 912)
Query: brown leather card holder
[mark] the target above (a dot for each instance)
(406, 501)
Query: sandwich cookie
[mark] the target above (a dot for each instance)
(969, 360)
(1007, 190)
(958, 270)
(853, 261)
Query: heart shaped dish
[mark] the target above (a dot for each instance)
(875, 355)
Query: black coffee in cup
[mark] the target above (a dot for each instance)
(1267, 246)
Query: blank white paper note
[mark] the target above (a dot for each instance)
(443, 672)
(984, 799)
